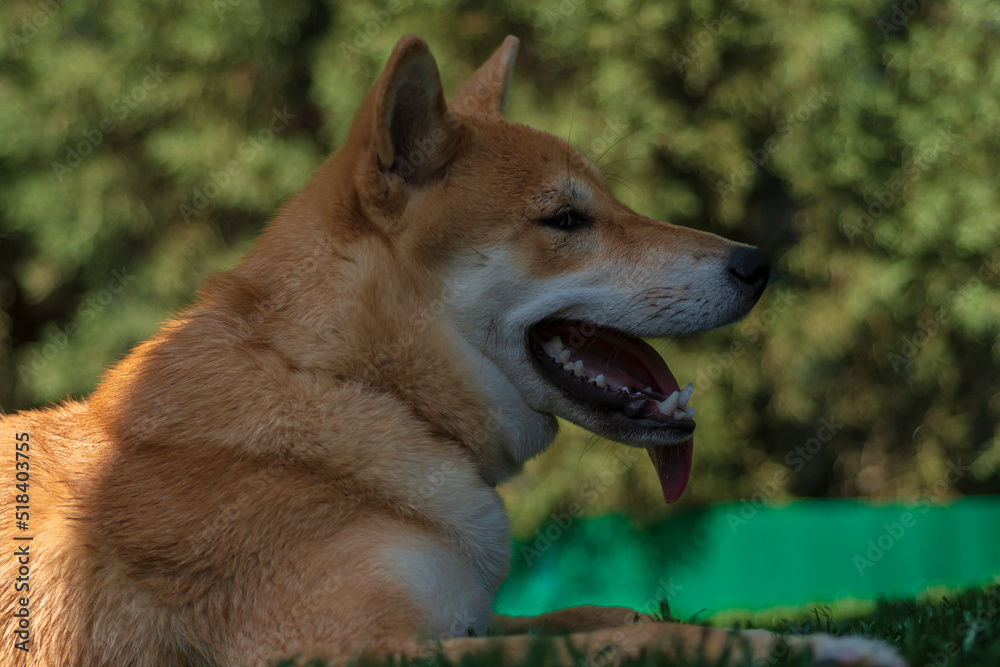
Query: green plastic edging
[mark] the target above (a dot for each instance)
(739, 557)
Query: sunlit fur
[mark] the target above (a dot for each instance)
(304, 461)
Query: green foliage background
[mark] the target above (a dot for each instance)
(853, 141)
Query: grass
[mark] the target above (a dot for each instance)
(960, 629)
(957, 629)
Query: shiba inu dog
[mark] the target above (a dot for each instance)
(304, 462)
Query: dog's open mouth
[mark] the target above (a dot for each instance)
(623, 376)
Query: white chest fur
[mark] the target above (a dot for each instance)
(453, 574)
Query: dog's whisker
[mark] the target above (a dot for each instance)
(608, 164)
(615, 178)
(621, 139)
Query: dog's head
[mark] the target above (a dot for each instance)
(547, 282)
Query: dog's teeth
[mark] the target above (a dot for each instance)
(564, 356)
(624, 390)
(690, 410)
(668, 405)
(648, 389)
(552, 349)
(568, 368)
(600, 381)
(684, 413)
(578, 368)
(686, 393)
(556, 344)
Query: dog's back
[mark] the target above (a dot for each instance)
(177, 535)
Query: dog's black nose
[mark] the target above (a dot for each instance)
(749, 266)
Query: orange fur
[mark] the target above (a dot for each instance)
(301, 462)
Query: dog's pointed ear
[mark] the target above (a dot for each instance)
(486, 91)
(404, 130)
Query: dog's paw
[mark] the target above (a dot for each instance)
(851, 650)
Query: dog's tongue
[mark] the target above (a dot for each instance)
(628, 361)
(673, 466)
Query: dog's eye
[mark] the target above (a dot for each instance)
(567, 219)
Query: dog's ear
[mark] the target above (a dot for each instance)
(404, 130)
(486, 91)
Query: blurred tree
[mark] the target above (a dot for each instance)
(142, 147)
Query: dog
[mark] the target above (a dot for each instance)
(304, 462)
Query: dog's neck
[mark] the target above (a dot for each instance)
(390, 304)
(343, 304)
